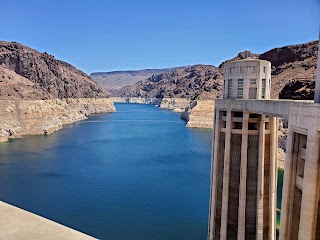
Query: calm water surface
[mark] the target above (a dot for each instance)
(138, 174)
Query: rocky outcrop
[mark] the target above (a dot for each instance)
(298, 89)
(176, 104)
(28, 74)
(23, 117)
(290, 63)
(199, 114)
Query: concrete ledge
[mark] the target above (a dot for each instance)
(17, 224)
(274, 107)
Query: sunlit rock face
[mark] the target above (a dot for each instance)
(22, 117)
(199, 114)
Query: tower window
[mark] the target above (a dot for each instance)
(263, 89)
(253, 81)
(229, 88)
(240, 88)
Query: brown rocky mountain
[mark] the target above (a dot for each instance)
(112, 81)
(298, 89)
(195, 82)
(28, 74)
(290, 65)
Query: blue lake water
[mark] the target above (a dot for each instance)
(135, 174)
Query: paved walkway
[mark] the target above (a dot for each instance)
(17, 224)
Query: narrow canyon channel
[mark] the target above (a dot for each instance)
(136, 174)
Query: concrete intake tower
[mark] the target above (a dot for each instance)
(244, 157)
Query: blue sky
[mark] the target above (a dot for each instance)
(97, 35)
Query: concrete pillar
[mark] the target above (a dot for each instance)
(289, 183)
(225, 191)
(310, 194)
(214, 174)
(273, 177)
(243, 178)
(317, 90)
(260, 180)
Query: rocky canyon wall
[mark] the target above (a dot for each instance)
(23, 117)
(199, 114)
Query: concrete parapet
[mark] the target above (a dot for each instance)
(17, 224)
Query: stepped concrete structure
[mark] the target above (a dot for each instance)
(244, 156)
(244, 159)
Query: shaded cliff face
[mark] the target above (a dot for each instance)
(294, 63)
(28, 74)
(112, 81)
(298, 89)
(195, 82)
(289, 64)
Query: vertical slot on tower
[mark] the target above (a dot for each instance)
(234, 182)
(220, 182)
(251, 193)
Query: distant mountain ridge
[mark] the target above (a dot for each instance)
(138, 72)
(28, 74)
(115, 80)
